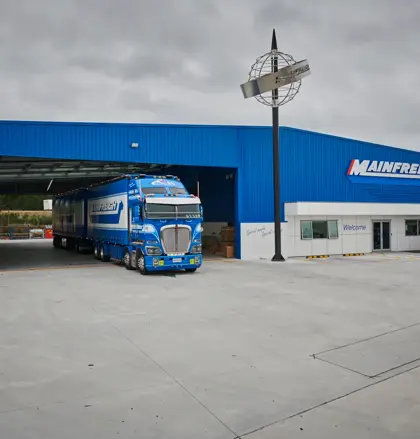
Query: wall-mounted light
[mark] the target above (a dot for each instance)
(134, 145)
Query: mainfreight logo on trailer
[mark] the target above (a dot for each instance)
(105, 206)
(383, 172)
(106, 212)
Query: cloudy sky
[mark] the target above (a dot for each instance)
(181, 61)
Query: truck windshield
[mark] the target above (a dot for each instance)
(153, 190)
(178, 191)
(167, 211)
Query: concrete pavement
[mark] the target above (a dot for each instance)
(236, 349)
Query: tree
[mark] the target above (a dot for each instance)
(22, 202)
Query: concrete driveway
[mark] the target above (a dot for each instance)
(324, 348)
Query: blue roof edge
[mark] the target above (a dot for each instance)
(226, 126)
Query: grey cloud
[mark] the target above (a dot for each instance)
(183, 61)
(279, 13)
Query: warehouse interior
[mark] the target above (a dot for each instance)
(215, 186)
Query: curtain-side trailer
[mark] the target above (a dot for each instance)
(148, 223)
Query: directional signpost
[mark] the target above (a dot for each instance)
(274, 80)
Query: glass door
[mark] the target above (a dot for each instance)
(386, 235)
(381, 235)
(377, 236)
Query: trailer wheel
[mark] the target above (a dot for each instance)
(127, 260)
(70, 244)
(95, 250)
(141, 264)
(56, 242)
(103, 256)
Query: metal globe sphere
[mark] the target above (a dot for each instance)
(263, 66)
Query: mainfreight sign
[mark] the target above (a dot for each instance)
(375, 171)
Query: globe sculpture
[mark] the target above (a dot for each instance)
(265, 65)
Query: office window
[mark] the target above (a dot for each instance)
(319, 229)
(306, 229)
(332, 229)
(411, 227)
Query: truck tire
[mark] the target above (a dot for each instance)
(104, 257)
(140, 263)
(57, 242)
(190, 270)
(79, 247)
(70, 244)
(96, 250)
(127, 260)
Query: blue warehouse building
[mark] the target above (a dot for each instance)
(338, 195)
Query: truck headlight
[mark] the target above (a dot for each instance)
(153, 251)
(196, 249)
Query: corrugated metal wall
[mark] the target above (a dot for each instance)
(314, 168)
(255, 176)
(163, 144)
(313, 165)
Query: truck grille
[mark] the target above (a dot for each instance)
(176, 239)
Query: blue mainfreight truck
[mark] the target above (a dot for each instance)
(148, 223)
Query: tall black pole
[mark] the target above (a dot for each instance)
(276, 159)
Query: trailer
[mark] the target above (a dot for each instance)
(148, 223)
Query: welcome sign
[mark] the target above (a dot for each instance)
(354, 228)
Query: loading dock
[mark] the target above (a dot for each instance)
(214, 186)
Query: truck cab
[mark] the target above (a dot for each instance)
(165, 225)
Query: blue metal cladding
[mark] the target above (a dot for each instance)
(313, 165)
(314, 168)
(255, 196)
(161, 144)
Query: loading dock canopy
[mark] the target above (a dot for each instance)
(35, 175)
